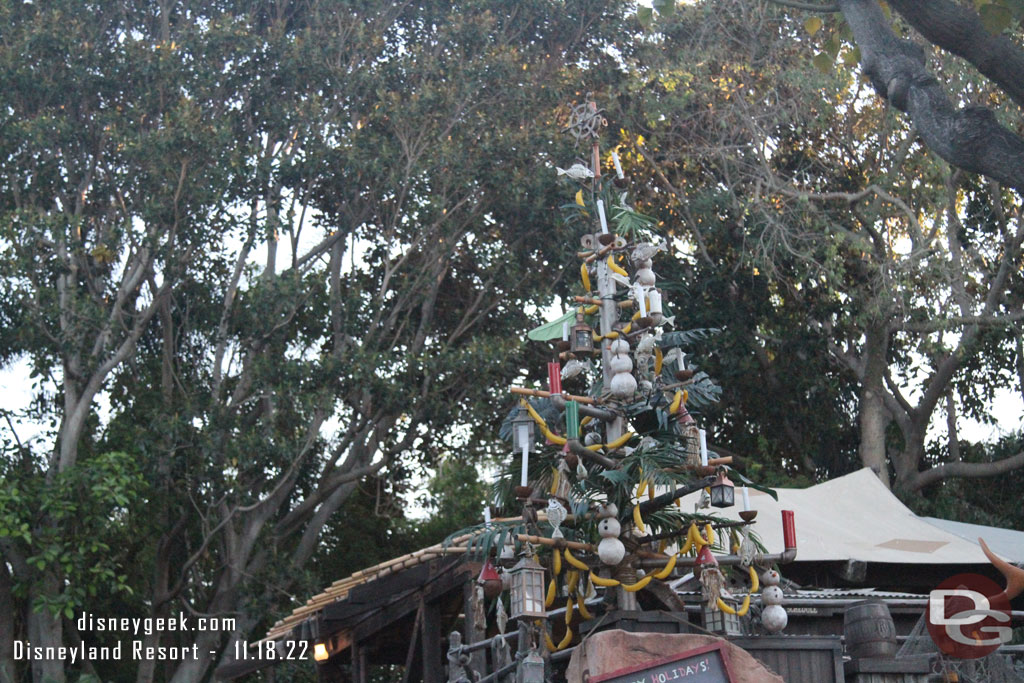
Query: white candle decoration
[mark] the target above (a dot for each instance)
(654, 299)
(565, 331)
(524, 437)
(641, 300)
(600, 213)
(746, 499)
(703, 448)
(487, 514)
(618, 166)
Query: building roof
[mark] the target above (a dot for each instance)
(854, 517)
(1006, 542)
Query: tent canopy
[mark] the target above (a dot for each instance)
(854, 517)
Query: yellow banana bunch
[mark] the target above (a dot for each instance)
(619, 442)
(639, 585)
(581, 606)
(614, 267)
(667, 569)
(564, 643)
(598, 581)
(638, 520)
(576, 562)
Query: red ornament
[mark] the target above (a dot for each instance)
(490, 580)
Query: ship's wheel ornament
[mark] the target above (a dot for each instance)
(586, 120)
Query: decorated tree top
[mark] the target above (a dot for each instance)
(604, 454)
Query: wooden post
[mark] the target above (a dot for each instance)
(430, 637)
(475, 624)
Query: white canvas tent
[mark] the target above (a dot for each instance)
(854, 517)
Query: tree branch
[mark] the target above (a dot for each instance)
(974, 470)
(970, 138)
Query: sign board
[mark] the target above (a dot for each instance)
(709, 664)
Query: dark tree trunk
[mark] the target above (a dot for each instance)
(969, 138)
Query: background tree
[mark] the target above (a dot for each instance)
(819, 208)
(256, 232)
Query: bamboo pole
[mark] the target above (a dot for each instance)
(547, 394)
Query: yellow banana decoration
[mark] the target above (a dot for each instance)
(638, 520)
(677, 400)
(627, 328)
(572, 580)
(667, 569)
(564, 643)
(686, 396)
(555, 477)
(722, 605)
(568, 611)
(591, 310)
(585, 276)
(549, 599)
(619, 442)
(586, 420)
(550, 644)
(639, 585)
(694, 535)
(755, 583)
(557, 559)
(581, 607)
(579, 200)
(641, 487)
(576, 562)
(710, 533)
(614, 267)
(686, 546)
(659, 359)
(607, 583)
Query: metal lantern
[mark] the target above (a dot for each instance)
(717, 621)
(523, 431)
(723, 493)
(582, 336)
(527, 583)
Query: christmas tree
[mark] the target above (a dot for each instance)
(603, 455)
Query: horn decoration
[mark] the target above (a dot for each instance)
(1014, 575)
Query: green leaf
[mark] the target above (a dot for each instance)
(823, 63)
(665, 7)
(813, 25)
(995, 18)
(645, 15)
(617, 477)
(851, 57)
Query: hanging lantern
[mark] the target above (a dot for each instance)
(723, 493)
(523, 432)
(527, 584)
(582, 337)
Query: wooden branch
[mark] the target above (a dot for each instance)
(582, 451)
(547, 394)
(970, 138)
(664, 499)
(551, 542)
(974, 470)
(959, 30)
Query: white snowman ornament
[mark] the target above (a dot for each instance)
(773, 614)
(622, 383)
(610, 549)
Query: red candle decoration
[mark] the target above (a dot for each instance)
(555, 377)
(789, 528)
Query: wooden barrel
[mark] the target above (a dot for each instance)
(869, 630)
